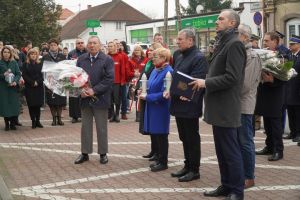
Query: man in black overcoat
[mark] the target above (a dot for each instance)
(223, 104)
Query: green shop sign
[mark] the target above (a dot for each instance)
(139, 33)
(200, 22)
(92, 23)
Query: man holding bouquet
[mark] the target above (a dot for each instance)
(270, 99)
(95, 99)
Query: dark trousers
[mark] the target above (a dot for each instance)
(162, 143)
(74, 107)
(188, 129)
(34, 112)
(294, 120)
(124, 91)
(273, 128)
(154, 144)
(229, 158)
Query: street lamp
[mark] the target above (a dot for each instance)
(199, 9)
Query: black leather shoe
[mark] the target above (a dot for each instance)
(33, 124)
(18, 123)
(117, 119)
(13, 127)
(149, 155)
(189, 177)
(234, 197)
(220, 191)
(82, 158)
(264, 151)
(287, 136)
(159, 167)
(296, 139)
(39, 125)
(153, 158)
(74, 120)
(276, 156)
(153, 164)
(180, 173)
(298, 143)
(103, 159)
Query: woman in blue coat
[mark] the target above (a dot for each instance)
(157, 116)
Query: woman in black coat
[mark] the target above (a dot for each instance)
(34, 89)
(55, 102)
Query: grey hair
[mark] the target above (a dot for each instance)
(189, 33)
(94, 36)
(233, 15)
(245, 30)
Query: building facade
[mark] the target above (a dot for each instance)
(283, 16)
(112, 16)
(203, 23)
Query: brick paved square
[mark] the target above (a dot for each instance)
(39, 164)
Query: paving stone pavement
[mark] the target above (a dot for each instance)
(39, 164)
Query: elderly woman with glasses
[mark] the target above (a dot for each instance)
(157, 116)
(9, 77)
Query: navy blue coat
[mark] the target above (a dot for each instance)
(101, 75)
(157, 116)
(293, 85)
(191, 62)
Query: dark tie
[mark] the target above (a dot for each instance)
(92, 59)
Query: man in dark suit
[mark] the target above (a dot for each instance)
(95, 100)
(189, 60)
(293, 91)
(223, 104)
(269, 104)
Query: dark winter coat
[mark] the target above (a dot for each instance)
(32, 72)
(101, 74)
(270, 99)
(54, 99)
(75, 53)
(293, 85)
(193, 63)
(224, 82)
(9, 99)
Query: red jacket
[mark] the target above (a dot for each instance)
(135, 64)
(120, 68)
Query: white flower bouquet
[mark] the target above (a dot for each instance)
(65, 78)
(280, 68)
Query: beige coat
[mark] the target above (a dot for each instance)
(251, 81)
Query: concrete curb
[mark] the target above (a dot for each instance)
(4, 191)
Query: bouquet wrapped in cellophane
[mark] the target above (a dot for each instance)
(278, 66)
(65, 78)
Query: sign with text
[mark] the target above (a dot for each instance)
(92, 23)
(200, 22)
(93, 33)
(255, 7)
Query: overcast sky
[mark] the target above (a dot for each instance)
(152, 8)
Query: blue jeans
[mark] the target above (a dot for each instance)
(245, 138)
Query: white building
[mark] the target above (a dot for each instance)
(204, 24)
(113, 17)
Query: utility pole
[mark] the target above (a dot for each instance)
(178, 14)
(166, 22)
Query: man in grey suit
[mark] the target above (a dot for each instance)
(95, 100)
(223, 104)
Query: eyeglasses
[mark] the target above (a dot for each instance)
(79, 42)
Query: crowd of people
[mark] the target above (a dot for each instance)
(230, 80)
